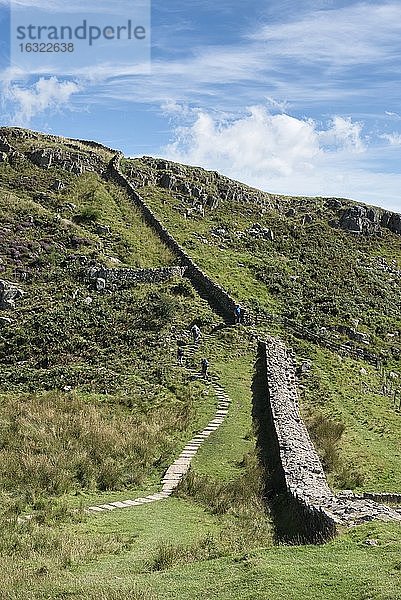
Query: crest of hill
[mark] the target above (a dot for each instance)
(190, 183)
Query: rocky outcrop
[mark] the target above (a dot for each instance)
(259, 232)
(9, 293)
(5, 146)
(191, 184)
(74, 162)
(368, 220)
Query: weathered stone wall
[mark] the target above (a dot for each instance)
(298, 492)
(215, 293)
(296, 476)
(120, 277)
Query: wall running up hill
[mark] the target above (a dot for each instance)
(215, 293)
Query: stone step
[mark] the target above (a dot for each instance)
(118, 504)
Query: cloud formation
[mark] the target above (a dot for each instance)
(283, 154)
(47, 94)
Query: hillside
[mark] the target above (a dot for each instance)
(95, 407)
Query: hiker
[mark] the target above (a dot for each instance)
(180, 355)
(237, 314)
(204, 367)
(195, 333)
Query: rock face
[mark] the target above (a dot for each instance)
(71, 161)
(194, 184)
(392, 221)
(9, 293)
(5, 146)
(360, 219)
(367, 220)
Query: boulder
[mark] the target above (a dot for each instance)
(257, 231)
(57, 185)
(100, 284)
(9, 293)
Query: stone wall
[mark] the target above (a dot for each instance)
(295, 474)
(302, 502)
(216, 295)
(120, 277)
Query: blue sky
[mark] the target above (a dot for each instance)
(298, 98)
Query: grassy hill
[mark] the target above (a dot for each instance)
(94, 407)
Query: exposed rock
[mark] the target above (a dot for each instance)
(70, 206)
(5, 146)
(102, 229)
(184, 188)
(334, 203)
(74, 162)
(257, 231)
(57, 185)
(304, 368)
(6, 321)
(100, 284)
(391, 221)
(219, 231)
(369, 220)
(358, 336)
(360, 220)
(9, 293)
(212, 201)
(3, 157)
(167, 181)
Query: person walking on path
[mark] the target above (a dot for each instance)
(204, 367)
(195, 333)
(180, 355)
(237, 314)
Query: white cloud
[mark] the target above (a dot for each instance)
(343, 133)
(283, 154)
(392, 114)
(357, 34)
(47, 94)
(393, 138)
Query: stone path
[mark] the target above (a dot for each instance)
(180, 466)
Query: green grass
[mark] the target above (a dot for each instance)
(345, 568)
(132, 408)
(369, 449)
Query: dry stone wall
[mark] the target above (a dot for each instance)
(127, 277)
(215, 293)
(299, 492)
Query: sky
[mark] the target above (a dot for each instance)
(300, 98)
